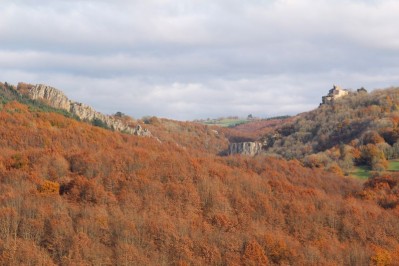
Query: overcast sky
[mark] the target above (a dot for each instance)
(188, 59)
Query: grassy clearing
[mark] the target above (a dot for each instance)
(361, 172)
(393, 165)
(226, 122)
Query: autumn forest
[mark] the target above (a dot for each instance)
(76, 194)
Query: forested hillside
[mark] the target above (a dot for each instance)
(358, 129)
(194, 136)
(255, 129)
(75, 194)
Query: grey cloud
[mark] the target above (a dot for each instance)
(199, 58)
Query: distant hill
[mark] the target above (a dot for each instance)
(254, 129)
(190, 135)
(231, 121)
(360, 128)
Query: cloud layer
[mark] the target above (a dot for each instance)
(199, 58)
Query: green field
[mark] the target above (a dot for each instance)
(363, 171)
(226, 122)
(393, 165)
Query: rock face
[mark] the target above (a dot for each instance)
(54, 97)
(58, 99)
(335, 93)
(245, 148)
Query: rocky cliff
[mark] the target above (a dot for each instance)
(245, 148)
(58, 99)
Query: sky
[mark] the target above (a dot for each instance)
(193, 59)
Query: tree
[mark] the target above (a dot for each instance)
(119, 114)
(381, 257)
(346, 159)
(254, 254)
(372, 137)
(100, 123)
(373, 157)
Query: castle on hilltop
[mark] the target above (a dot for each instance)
(335, 93)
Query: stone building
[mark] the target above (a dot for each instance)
(335, 93)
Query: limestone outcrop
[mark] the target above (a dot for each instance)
(58, 99)
(52, 96)
(245, 148)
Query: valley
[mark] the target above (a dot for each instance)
(199, 133)
(74, 192)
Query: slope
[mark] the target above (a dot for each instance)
(188, 135)
(361, 128)
(9, 93)
(255, 129)
(74, 194)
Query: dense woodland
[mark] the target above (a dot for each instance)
(254, 130)
(194, 136)
(75, 194)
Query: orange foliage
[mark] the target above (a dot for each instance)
(117, 199)
(253, 254)
(381, 257)
(49, 187)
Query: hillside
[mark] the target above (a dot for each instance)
(75, 194)
(56, 99)
(193, 136)
(358, 129)
(255, 129)
(47, 99)
(9, 93)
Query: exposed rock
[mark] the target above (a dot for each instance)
(245, 148)
(52, 96)
(335, 93)
(58, 99)
(140, 131)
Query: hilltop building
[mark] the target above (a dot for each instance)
(335, 93)
(361, 90)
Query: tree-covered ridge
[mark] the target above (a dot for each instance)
(361, 128)
(73, 194)
(254, 129)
